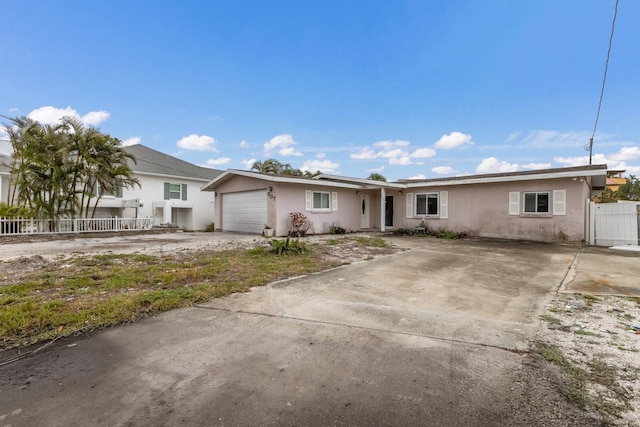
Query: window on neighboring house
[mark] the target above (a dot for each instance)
(321, 200)
(175, 191)
(99, 190)
(536, 202)
(427, 204)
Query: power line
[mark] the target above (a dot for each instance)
(589, 146)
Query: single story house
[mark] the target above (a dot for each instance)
(545, 205)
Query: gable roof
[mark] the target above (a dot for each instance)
(155, 162)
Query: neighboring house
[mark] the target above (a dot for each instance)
(615, 179)
(545, 205)
(5, 161)
(169, 191)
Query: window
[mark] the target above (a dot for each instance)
(175, 191)
(536, 202)
(427, 204)
(321, 200)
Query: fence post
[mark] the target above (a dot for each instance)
(117, 224)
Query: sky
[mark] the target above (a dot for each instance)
(404, 88)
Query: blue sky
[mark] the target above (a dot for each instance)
(402, 88)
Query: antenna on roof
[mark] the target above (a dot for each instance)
(589, 146)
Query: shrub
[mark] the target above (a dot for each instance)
(335, 228)
(298, 224)
(210, 228)
(287, 246)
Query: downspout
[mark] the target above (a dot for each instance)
(383, 202)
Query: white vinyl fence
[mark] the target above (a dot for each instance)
(614, 224)
(19, 226)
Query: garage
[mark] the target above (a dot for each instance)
(245, 212)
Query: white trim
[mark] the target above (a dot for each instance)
(370, 183)
(334, 201)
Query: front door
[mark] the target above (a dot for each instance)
(388, 211)
(364, 211)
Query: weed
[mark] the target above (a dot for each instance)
(550, 319)
(582, 331)
(287, 246)
(371, 241)
(576, 390)
(335, 228)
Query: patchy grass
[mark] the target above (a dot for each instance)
(609, 404)
(375, 242)
(88, 293)
(550, 319)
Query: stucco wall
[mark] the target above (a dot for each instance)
(151, 190)
(483, 210)
(291, 198)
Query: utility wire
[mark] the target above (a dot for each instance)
(589, 146)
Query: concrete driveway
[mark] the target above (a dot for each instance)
(434, 335)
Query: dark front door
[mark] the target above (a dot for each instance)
(388, 211)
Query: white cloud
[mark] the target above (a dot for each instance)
(324, 166)
(417, 176)
(554, 139)
(13, 110)
(320, 155)
(52, 115)
(376, 170)
(492, 165)
(442, 170)
(617, 160)
(535, 166)
(364, 154)
(284, 143)
(198, 143)
(244, 144)
(453, 140)
(396, 151)
(94, 118)
(218, 162)
(423, 153)
(248, 163)
(131, 141)
(389, 144)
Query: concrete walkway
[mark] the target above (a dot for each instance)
(433, 335)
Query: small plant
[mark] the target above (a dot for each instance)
(287, 246)
(335, 228)
(267, 227)
(298, 224)
(210, 228)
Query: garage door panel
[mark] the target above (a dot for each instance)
(245, 211)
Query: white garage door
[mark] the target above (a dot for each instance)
(245, 211)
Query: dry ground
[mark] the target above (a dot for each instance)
(595, 334)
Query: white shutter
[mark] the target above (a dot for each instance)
(444, 204)
(409, 199)
(334, 201)
(308, 200)
(559, 202)
(514, 203)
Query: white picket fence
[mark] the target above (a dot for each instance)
(21, 226)
(614, 224)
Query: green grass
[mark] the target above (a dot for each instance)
(376, 242)
(100, 291)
